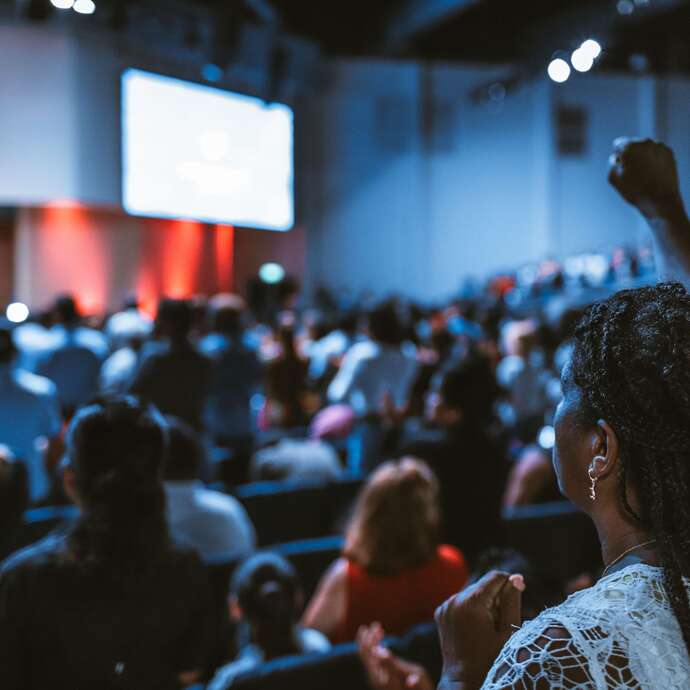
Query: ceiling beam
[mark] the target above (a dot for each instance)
(419, 16)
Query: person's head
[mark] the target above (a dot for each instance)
(396, 521)
(265, 593)
(520, 337)
(348, 322)
(8, 350)
(464, 393)
(384, 325)
(185, 451)
(624, 423)
(116, 450)
(174, 320)
(226, 314)
(65, 311)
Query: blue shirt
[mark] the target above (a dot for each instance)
(29, 411)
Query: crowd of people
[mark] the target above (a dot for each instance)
(448, 413)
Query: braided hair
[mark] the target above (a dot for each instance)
(632, 362)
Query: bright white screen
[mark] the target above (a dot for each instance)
(191, 151)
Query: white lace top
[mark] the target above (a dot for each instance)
(620, 634)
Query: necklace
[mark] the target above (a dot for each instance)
(625, 553)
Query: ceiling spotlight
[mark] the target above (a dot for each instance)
(559, 70)
(62, 4)
(591, 47)
(84, 6)
(581, 60)
(625, 7)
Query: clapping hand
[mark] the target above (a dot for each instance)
(384, 670)
(474, 625)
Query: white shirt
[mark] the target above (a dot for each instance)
(118, 371)
(321, 352)
(215, 524)
(369, 370)
(621, 633)
(301, 459)
(29, 411)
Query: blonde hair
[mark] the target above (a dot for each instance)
(396, 522)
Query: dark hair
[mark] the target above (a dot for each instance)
(268, 592)
(185, 451)
(65, 310)
(632, 362)
(116, 448)
(469, 385)
(384, 325)
(175, 318)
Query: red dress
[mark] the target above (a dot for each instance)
(401, 601)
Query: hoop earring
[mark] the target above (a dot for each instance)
(593, 488)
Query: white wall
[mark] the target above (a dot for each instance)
(398, 205)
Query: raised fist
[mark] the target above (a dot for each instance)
(644, 173)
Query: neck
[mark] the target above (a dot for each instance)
(617, 535)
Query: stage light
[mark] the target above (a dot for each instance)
(547, 437)
(84, 6)
(17, 312)
(591, 48)
(559, 70)
(271, 273)
(581, 60)
(62, 4)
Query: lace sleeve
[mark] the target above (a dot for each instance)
(543, 658)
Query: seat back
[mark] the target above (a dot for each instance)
(311, 558)
(557, 538)
(288, 510)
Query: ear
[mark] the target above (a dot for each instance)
(605, 451)
(234, 609)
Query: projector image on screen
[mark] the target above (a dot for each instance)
(195, 152)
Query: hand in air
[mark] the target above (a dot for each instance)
(384, 670)
(474, 625)
(644, 173)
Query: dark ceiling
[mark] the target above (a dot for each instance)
(648, 34)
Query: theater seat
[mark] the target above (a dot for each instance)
(341, 669)
(558, 538)
(311, 558)
(288, 510)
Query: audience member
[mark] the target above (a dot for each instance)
(127, 324)
(73, 360)
(30, 422)
(266, 598)
(236, 374)
(214, 524)
(375, 367)
(175, 377)
(394, 569)
(459, 446)
(111, 603)
(297, 459)
(531, 479)
(327, 352)
(286, 385)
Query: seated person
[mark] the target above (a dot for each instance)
(394, 568)
(266, 597)
(531, 480)
(297, 459)
(214, 524)
(460, 447)
(111, 603)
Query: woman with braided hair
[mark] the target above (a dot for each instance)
(622, 454)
